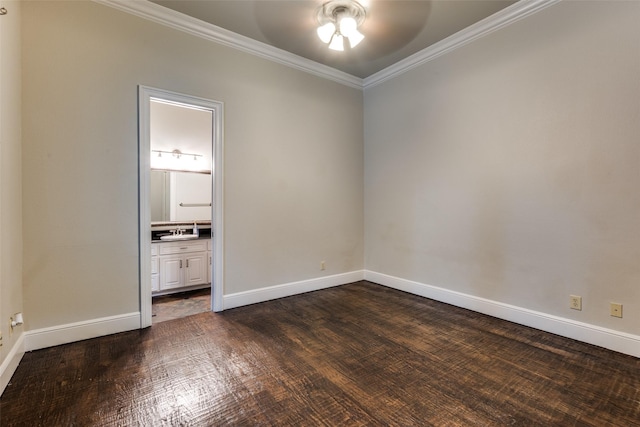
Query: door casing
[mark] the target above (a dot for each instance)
(145, 95)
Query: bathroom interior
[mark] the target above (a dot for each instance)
(181, 178)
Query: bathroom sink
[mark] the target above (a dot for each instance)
(179, 237)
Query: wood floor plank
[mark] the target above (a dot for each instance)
(354, 355)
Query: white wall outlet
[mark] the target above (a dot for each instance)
(616, 309)
(322, 265)
(575, 302)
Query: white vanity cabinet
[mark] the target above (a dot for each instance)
(182, 265)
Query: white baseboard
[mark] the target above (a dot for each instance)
(63, 334)
(608, 338)
(279, 291)
(10, 363)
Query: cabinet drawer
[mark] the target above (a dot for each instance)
(182, 247)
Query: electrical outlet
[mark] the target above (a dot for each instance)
(616, 309)
(575, 302)
(322, 266)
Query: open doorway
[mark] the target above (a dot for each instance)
(180, 199)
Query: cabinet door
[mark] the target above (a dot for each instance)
(209, 267)
(196, 268)
(155, 278)
(155, 283)
(154, 265)
(171, 272)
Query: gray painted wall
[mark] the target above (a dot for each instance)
(293, 160)
(510, 168)
(10, 184)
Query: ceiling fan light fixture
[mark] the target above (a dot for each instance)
(340, 19)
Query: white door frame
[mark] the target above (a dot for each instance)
(145, 94)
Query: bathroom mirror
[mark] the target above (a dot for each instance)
(180, 196)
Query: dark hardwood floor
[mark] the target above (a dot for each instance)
(359, 354)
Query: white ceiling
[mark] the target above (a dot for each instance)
(394, 29)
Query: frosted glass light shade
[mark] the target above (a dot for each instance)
(347, 26)
(349, 29)
(355, 37)
(337, 43)
(326, 31)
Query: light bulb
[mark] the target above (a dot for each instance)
(326, 31)
(337, 43)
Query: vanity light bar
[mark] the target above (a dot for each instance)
(176, 153)
(165, 169)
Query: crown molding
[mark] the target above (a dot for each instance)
(179, 21)
(498, 20)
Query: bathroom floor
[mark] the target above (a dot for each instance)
(175, 306)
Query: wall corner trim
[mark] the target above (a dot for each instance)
(288, 289)
(176, 20)
(613, 340)
(71, 332)
(179, 21)
(11, 362)
(498, 20)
